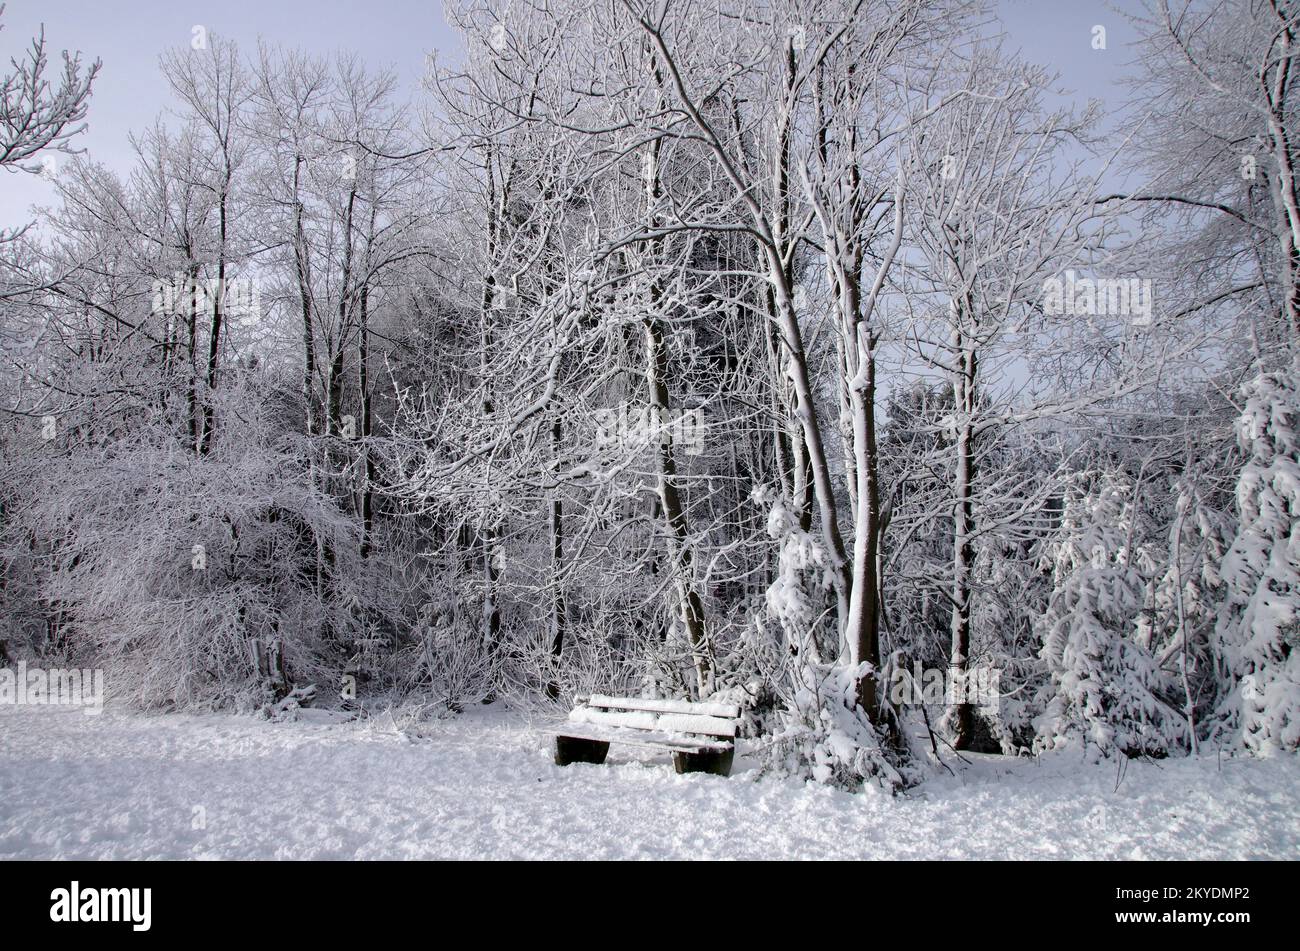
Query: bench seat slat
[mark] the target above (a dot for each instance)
(707, 709)
(631, 719)
(663, 723)
(690, 723)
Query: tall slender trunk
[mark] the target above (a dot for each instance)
(191, 331)
(363, 395)
(557, 565)
(214, 332)
(1289, 255)
(805, 412)
(302, 268)
(863, 634)
(334, 384)
(859, 339)
(215, 329)
(963, 548)
(1278, 92)
(556, 524)
(782, 448)
(801, 468)
(690, 604)
(679, 551)
(491, 609)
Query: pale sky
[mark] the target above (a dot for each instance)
(129, 35)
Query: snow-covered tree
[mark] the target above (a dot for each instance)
(1259, 621)
(36, 116)
(1106, 688)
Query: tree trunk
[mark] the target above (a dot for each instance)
(214, 334)
(962, 713)
(864, 606)
(363, 388)
(691, 606)
(557, 566)
(302, 267)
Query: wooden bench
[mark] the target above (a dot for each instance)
(701, 736)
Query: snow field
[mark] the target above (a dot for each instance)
(120, 786)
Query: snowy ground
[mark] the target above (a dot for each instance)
(483, 786)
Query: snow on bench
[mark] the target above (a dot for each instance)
(728, 710)
(701, 736)
(662, 722)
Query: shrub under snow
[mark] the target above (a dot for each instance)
(823, 734)
(165, 566)
(1106, 688)
(1259, 621)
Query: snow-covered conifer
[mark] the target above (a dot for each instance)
(1259, 621)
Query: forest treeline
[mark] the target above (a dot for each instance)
(776, 351)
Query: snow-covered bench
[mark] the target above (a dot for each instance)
(701, 736)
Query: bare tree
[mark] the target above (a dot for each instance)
(36, 116)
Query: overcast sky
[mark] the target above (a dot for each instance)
(129, 35)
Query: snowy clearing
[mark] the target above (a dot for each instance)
(119, 786)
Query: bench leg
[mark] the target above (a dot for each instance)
(572, 749)
(716, 762)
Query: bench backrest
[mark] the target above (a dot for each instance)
(662, 716)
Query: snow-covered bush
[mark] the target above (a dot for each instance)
(168, 567)
(824, 735)
(1186, 596)
(448, 660)
(1106, 687)
(1258, 628)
